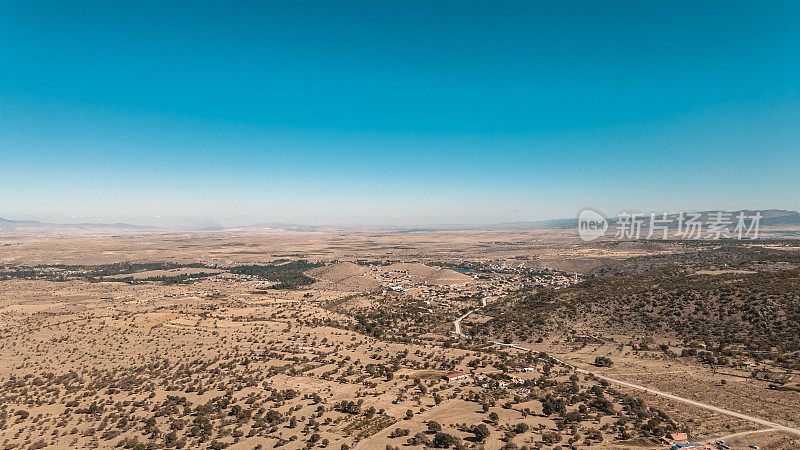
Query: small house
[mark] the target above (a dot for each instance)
(455, 376)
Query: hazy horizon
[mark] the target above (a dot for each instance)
(374, 222)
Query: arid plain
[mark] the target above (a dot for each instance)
(273, 338)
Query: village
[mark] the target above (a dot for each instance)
(349, 330)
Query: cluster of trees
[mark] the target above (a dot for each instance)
(603, 361)
(169, 279)
(287, 276)
(349, 407)
(59, 272)
(731, 314)
(436, 438)
(702, 255)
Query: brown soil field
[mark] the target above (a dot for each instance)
(98, 351)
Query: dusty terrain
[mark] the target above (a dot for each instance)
(342, 340)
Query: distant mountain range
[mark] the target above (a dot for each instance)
(9, 222)
(769, 217)
(780, 217)
(33, 225)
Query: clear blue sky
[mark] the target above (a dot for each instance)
(408, 112)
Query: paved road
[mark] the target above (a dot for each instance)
(727, 412)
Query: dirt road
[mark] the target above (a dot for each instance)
(727, 412)
(457, 323)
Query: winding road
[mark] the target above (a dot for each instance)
(727, 412)
(457, 323)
